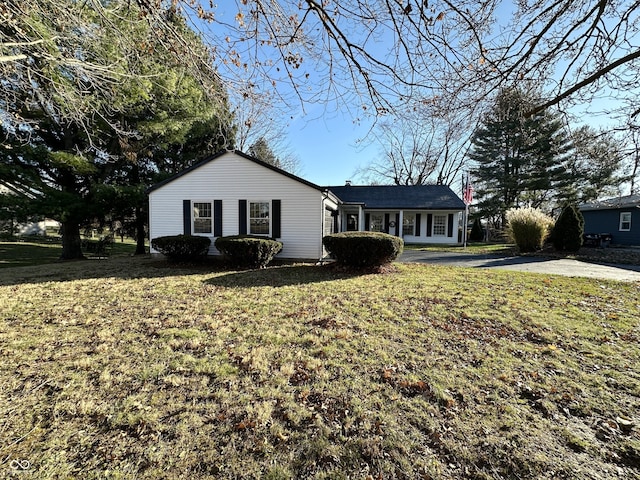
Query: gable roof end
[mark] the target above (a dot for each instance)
(215, 156)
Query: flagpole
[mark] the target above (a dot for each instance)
(466, 223)
(467, 196)
(466, 212)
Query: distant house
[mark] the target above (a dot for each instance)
(618, 216)
(232, 193)
(35, 226)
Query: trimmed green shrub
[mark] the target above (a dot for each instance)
(182, 247)
(569, 229)
(363, 249)
(249, 251)
(477, 232)
(528, 228)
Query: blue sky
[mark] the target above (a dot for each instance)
(329, 144)
(328, 148)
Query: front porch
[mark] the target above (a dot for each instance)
(413, 226)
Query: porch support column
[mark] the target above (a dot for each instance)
(360, 218)
(400, 220)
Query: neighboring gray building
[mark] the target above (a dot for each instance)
(618, 216)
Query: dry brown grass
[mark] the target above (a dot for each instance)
(133, 369)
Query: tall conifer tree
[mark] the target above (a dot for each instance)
(67, 151)
(519, 158)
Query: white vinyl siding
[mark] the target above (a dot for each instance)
(231, 178)
(419, 234)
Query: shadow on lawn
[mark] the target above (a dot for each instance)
(132, 267)
(280, 276)
(121, 267)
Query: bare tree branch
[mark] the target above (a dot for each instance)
(589, 80)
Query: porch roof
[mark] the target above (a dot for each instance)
(400, 197)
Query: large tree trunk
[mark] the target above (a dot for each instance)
(71, 244)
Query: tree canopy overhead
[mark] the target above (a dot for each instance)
(401, 49)
(376, 55)
(88, 60)
(88, 143)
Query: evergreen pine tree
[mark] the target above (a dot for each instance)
(519, 157)
(156, 113)
(568, 230)
(262, 151)
(477, 233)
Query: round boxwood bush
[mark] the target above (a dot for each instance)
(363, 249)
(249, 251)
(569, 229)
(182, 247)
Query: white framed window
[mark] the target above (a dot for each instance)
(439, 225)
(202, 217)
(376, 222)
(408, 224)
(259, 218)
(625, 221)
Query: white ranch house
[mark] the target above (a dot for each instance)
(231, 193)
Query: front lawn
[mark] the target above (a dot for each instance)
(32, 252)
(507, 249)
(132, 368)
(42, 250)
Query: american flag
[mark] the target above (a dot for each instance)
(467, 195)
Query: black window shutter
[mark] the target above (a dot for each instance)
(186, 217)
(386, 223)
(450, 226)
(417, 232)
(217, 218)
(276, 207)
(397, 224)
(429, 224)
(367, 221)
(242, 217)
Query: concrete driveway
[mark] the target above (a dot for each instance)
(570, 268)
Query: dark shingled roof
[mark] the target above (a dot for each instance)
(422, 197)
(628, 201)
